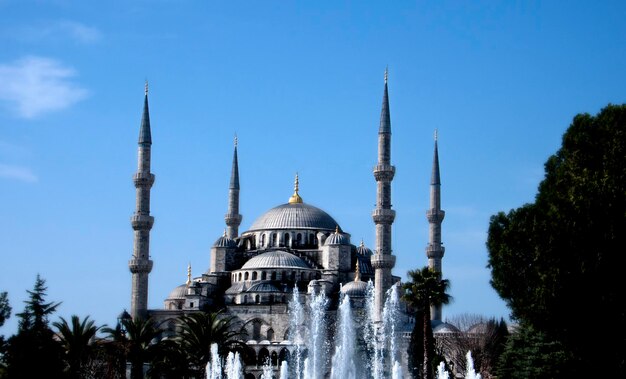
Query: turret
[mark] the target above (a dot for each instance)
(382, 260)
(233, 218)
(435, 249)
(140, 264)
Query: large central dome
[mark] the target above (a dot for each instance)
(294, 216)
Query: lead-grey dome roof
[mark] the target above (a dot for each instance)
(275, 259)
(355, 289)
(294, 216)
(178, 293)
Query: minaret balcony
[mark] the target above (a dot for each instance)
(383, 261)
(435, 215)
(232, 219)
(143, 179)
(384, 172)
(141, 222)
(435, 251)
(140, 265)
(383, 216)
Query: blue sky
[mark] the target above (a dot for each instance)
(301, 85)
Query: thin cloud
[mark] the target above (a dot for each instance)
(23, 174)
(55, 31)
(36, 85)
(80, 32)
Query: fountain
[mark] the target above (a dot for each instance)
(470, 373)
(233, 368)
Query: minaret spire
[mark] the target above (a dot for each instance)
(383, 261)
(233, 218)
(295, 198)
(140, 264)
(435, 216)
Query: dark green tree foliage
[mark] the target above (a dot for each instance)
(426, 289)
(77, 339)
(529, 354)
(558, 262)
(415, 350)
(33, 352)
(198, 331)
(5, 313)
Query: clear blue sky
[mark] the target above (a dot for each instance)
(301, 85)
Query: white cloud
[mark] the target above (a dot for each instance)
(36, 85)
(80, 32)
(17, 173)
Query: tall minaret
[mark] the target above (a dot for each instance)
(233, 218)
(140, 265)
(383, 215)
(434, 250)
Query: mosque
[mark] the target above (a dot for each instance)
(293, 245)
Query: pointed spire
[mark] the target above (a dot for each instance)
(295, 198)
(435, 179)
(357, 272)
(188, 283)
(145, 135)
(234, 174)
(385, 119)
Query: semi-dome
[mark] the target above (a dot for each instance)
(294, 216)
(355, 288)
(263, 287)
(275, 259)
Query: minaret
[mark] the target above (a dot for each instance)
(434, 250)
(233, 218)
(383, 215)
(140, 265)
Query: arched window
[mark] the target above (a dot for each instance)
(274, 239)
(256, 330)
(284, 276)
(273, 275)
(245, 276)
(262, 240)
(257, 299)
(263, 275)
(287, 237)
(264, 357)
(253, 275)
(274, 359)
(299, 239)
(239, 276)
(270, 334)
(284, 355)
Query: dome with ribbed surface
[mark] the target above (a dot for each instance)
(224, 241)
(263, 287)
(355, 289)
(337, 239)
(364, 250)
(275, 259)
(178, 293)
(294, 216)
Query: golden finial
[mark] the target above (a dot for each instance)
(236, 140)
(295, 198)
(146, 87)
(436, 134)
(386, 73)
(188, 274)
(357, 272)
(337, 229)
(224, 235)
(362, 244)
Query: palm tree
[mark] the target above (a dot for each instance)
(426, 289)
(198, 331)
(77, 340)
(136, 338)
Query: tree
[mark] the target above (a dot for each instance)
(426, 289)
(5, 313)
(558, 262)
(33, 352)
(198, 331)
(77, 340)
(138, 338)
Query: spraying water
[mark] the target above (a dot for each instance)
(284, 370)
(214, 367)
(234, 369)
(343, 366)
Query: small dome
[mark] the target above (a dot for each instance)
(275, 259)
(224, 241)
(365, 264)
(337, 239)
(263, 287)
(178, 293)
(236, 288)
(364, 250)
(355, 289)
(440, 327)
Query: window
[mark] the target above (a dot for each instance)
(254, 275)
(263, 275)
(245, 276)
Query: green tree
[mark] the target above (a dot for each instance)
(5, 313)
(77, 340)
(558, 262)
(198, 331)
(138, 338)
(33, 352)
(424, 289)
